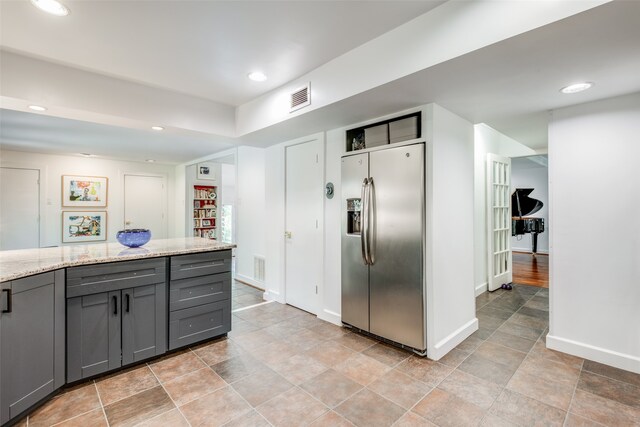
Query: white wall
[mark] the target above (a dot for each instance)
(487, 140)
(54, 166)
(594, 150)
(536, 177)
(449, 252)
(252, 223)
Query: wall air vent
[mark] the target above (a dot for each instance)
(258, 268)
(300, 98)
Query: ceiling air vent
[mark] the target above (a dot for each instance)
(300, 97)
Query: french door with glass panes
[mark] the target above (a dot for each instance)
(498, 221)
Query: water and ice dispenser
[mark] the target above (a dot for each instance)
(354, 209)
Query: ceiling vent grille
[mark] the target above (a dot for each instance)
(300, 98)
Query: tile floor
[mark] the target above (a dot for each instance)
(283, 367)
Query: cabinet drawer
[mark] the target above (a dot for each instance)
(92, 279)
(194, 291)
(202, 264)
(195, 324)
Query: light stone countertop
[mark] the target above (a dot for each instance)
(27, 262)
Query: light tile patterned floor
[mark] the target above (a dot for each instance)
(283, 367)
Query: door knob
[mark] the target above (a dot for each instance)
(287, 234)
(127, 222)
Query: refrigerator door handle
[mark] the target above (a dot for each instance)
(371, 222)
(364, 218)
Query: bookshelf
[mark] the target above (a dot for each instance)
(205, 211)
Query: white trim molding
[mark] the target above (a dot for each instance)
(249, 281)
(443, 347)
(330, 316)
(271, 295)
(597, 354)
(481, 288)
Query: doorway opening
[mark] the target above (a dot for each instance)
(530, 214)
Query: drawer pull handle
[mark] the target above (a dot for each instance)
(115, 305)
(9, 301)
(128, 301)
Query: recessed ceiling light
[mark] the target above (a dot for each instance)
(576, 87)
(257, 76)
(37, 108)
(51, 6)
(150, 161)
(87, 155)
(157, 128)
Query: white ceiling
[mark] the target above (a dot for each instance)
(39, 133)
(202, 48)
(510, 85)
(530, 162)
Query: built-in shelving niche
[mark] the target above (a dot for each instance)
(385, 132)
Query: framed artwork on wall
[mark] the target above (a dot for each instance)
(80, 227)
(84, 191)
(206, 171)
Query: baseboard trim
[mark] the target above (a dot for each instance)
(597, 354)
(249, 281)
(331, 317)
(270, 295)
(481, 288)
(450, 342)
(528, 251)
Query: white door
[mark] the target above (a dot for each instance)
(303, 224)
(498, 221)
(19, 208)
(145, 204)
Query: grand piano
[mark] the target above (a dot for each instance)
(521, 206)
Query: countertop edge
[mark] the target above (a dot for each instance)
(107, 259)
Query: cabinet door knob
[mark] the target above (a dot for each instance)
(287, 234)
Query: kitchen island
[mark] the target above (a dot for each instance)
(27, 262)
(73, 312)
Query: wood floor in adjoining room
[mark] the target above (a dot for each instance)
(530, 269)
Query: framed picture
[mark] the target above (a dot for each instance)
(206, 171)
(80, 227)
(84, 191)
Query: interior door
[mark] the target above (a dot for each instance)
(396, 194)
(304, 192)
(145, 204)
(19, 208)
(498, 221)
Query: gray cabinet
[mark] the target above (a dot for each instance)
(199, 297)
(116, 315)
(93, 334)
(31, 341)
(144, 322)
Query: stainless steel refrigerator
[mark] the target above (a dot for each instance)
(383, 239)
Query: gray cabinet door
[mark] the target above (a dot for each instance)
(93, 334)
(144, 322)
(31, 341)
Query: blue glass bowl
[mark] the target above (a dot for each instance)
(133, 237)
